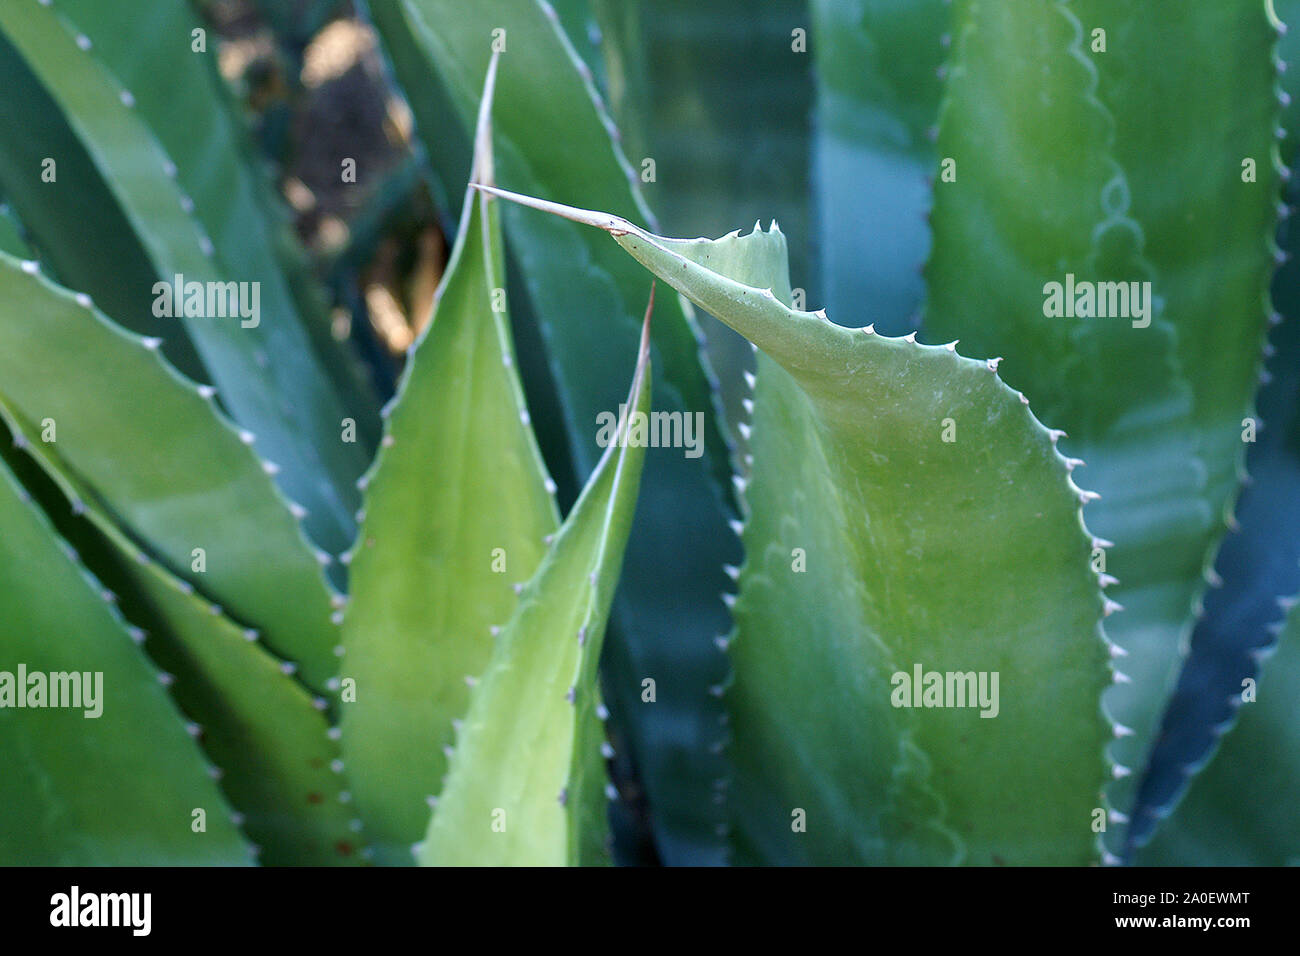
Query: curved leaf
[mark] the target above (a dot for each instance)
(458, 505)
(877, 547)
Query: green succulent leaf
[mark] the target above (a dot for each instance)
(878, 87)
(192, 115)
(104, 422)
(526, 784)
(1051, 142)
(1210, 242)
(458, 509)
(1241, 811)
(1241, 622)
(117, 788)
(554, 137)
(877, 547)
(192, 207)
(117, 274)
(270, 739)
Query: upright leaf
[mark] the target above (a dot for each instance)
(117, 274)
(1258, 560)
(458, 505)
(728, 114)
(554, 138)
(171, 70)
(1153, 378)
(1288, 50)
(729, 121)
(1210, 241)
(884, 538)
(526, 784)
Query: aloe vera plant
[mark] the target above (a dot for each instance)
(914, 587)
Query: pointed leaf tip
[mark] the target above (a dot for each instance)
(484, 171)
(614, 225)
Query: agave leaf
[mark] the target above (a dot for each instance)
(1258, 560)
(458, 505)
(878, 87)
(118, 273)
(281, 768)
(1210, 243)
(120, 788)
(263, 730)
(1053, 183)
(729, 114)
(206, 490)
(908, 545)
(1241, 811)
(525, 785)
(267, 373)
(578, 18)
(554, 138)
(1119, 391)
(247, 221)
(611, 43)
